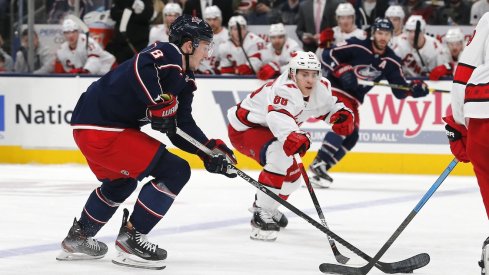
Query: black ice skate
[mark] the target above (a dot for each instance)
(277, 216)
(318, 175)
(263, 227)
(484, 262)
(134, 250)
(77, 246)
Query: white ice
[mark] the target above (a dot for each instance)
(207, 229)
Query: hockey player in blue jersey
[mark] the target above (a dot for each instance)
(370, 60)
(156, 86)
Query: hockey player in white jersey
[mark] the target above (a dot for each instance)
(430, 52)
(396, 15)
(278, 53)
(240, 58)
(345, 16)
(77, 56)
(160, 32)
(265, 127)
(454, 40)
(468, 128)
(213, 16)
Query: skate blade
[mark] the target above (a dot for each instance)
(262, 235)
(68, 256)
(317, 182)
(125, 259)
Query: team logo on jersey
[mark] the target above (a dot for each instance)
(367, 72)
(2, 113)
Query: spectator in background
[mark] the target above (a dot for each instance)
(368, 10)
(157, 17)
(430, 53)
(124, 45)
(210, 64)
(79, 57)
(289, 11)
(8, 63)
(43, 57)
(237, 58)
(420, 7)
(454, 12)
(196, 7)
(455, 42)
(278, 53)
(314, 16)
(160, 32)
(396, 15)
(264, 12)
(478, 9)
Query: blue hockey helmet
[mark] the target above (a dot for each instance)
(382, 23)
(189, 28)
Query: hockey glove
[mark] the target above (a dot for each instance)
(219, 162)
(326, 38)
(441, 71)
(418, 88)
(343, 122)
(457, 136)
(163, 115)
(268, 71)
(297, 143)
(244, 69)
(345, 74)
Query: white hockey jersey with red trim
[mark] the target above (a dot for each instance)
(432, 52)
(470, 92)
(340, 36)
(92, 58)
(211, 63)
(270, 55)
(231, 55)
(280, 106)
(158, 33)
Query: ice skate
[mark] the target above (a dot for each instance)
(484, 262)
(134, 250)
(77, 246)
(277, 216)
(263, 227)
(318, 174)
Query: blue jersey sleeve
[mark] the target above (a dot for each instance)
(394, 75)
(341, 53)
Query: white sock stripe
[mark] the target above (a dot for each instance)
(149, 210)
(164, 190)
(91, 217)
(104, 199)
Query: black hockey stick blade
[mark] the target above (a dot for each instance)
(404, 266)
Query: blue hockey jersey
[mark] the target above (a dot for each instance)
(366, 64)
(119, 99)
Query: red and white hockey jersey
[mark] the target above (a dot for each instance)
(280, 106)
(158, 33)
(340, 36)
(269, 54)
(470, 92)
(394, 43)
(211, 63)
(231, 55)
(432, 52)
(92, 58)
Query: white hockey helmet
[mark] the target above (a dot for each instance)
(212, 12)
(172, 8)
(69, 26)
(238, 19)
(345, 9)
(454, 35)
(304, 61)
(277, 30)
(395, 11)
(411, 23)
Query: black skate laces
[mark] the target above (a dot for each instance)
(142, 240)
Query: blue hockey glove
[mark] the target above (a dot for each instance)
(163, 115)
(418, 88)
(345, 74)
(219, 162)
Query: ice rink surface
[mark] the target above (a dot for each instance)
(207, 229)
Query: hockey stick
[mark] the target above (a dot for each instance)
(126, 15)
(339, 257)
(406, 266)
(396, 86)
(238, 27)
(417, 31)
(83, 27)
(348, 270)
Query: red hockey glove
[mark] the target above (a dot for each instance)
(344, 73)
(163, 115)
(219, 162)
(244, 69)
(78, 71)
(268, 71)
(457, 136)
(441, 71)
(343, 122)
(418, 88)
(326, 38)
(297, 143)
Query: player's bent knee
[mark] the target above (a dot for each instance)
(351, 140)
(173, 171)
(118, 190)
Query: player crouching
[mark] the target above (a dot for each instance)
(265, 127)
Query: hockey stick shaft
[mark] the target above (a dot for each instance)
(339, 257)
(241, 40)
(382, 266)
(396, 86)
(417, 32)
(126, 15)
